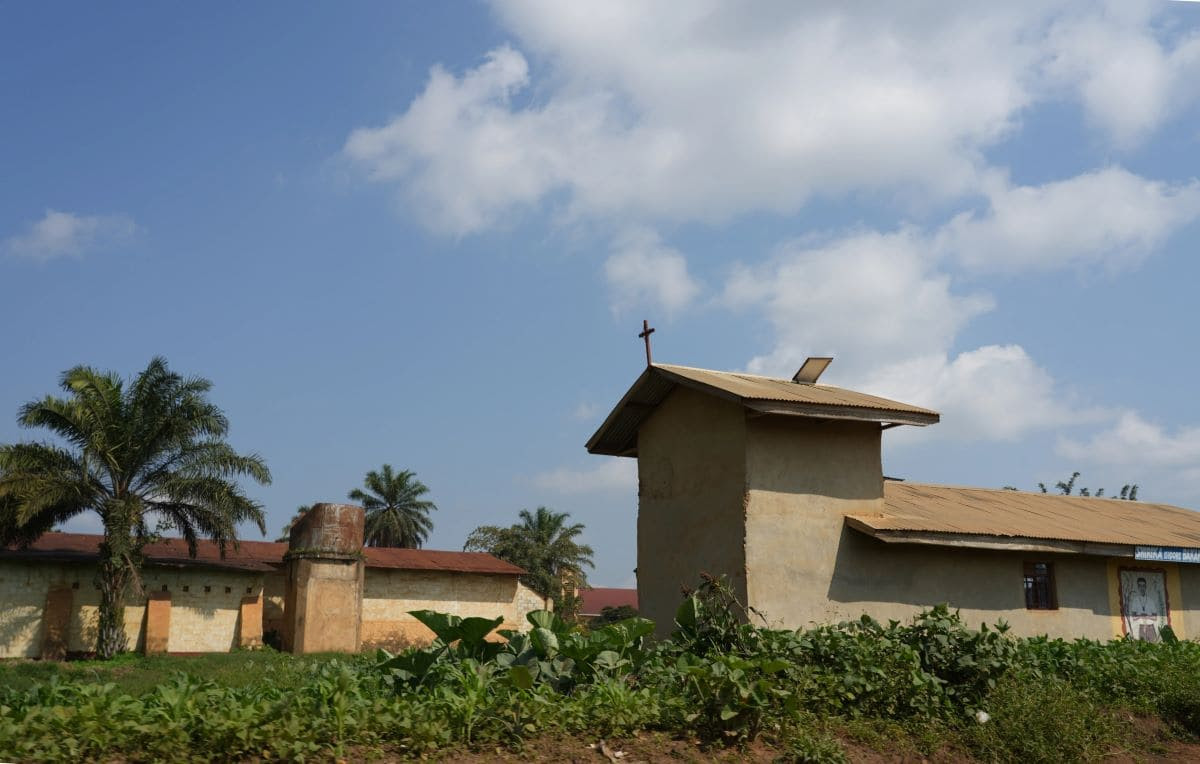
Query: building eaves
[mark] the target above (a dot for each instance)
(617, 436)
(920, 513)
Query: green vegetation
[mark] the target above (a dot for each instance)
(147, 457)
(545, 546)
(136, 674)
(610, 614)
(926, 686)
(1128, 492)
(286, 533)
(396, 516)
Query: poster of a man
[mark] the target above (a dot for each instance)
(1144, 603)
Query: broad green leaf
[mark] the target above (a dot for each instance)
(544, 641)
(521, 677)
(473, 631)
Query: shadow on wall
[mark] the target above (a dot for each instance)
(21, 628)
(867, 570)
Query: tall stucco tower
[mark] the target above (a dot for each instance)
(752, 478)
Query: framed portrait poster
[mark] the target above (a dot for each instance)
(1144, 607)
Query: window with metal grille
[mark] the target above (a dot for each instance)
(1039, 586)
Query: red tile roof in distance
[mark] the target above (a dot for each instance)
(596, 599)
(264, 556)
(431, 559)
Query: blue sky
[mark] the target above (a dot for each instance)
(427, 234)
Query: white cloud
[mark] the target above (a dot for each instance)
(644, 272)
(610, 475)
(703, 111)
(1164, 462)
(65, 234)
(871, 300)
(1136, 443)
(885, 306)
(1107, 217)
(1127, 80)
(466, 159)
(586, 411)
(890, 317)
(996, 392)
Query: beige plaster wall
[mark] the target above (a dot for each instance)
(897, 581)
(327, 597)
(200, 621)
(205, 617)
(1189, 601)
(805, 567)
(691, 500)
(804, 476)
(389, 595)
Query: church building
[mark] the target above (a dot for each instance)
(778, 485)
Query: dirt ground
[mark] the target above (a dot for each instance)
(658, 748)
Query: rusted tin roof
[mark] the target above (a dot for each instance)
(941, 509)
(618, 435)
(431, 559)
(262, 556)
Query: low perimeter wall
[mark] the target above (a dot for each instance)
(390, 594)
(51, 608)
(54, 606)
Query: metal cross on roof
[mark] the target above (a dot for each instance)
(645, 335)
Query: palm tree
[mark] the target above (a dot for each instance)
(147, 457)
(286, 534)
(396, 514)
(544, 545)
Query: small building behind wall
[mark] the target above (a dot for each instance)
(779, 486)
(49, 601)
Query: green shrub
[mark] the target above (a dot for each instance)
(918, 686)
(1047, 721)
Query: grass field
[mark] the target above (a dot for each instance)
(138, 674)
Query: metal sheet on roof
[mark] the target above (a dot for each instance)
(990, 512)
(617, 436)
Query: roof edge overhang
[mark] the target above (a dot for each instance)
(991, 542)
(853, 413)
(644, 396)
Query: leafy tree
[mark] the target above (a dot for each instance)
(545, 546)
(1128, 492)
(147, 456)
(396, 514)
(610, 614)
(286, 534)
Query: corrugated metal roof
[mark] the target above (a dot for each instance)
(989, 512)
(617, 436)
(262, 556)
(754, 387)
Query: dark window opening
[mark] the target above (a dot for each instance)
(1039, 586)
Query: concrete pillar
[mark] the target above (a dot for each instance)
(56, 619)
(250, 622)
(323, 600)
(158, 622)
